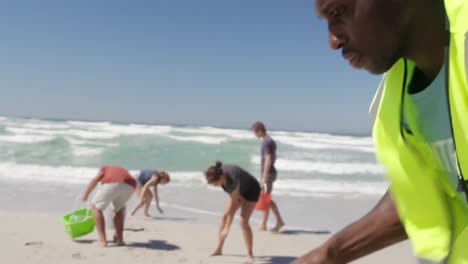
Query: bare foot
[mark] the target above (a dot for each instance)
(249, 260)
(277, 227)
(147, 216)
(216, 253)
(100, 243)
(262, 228)
(120, 244)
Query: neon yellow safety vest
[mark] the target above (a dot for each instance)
(435, 217)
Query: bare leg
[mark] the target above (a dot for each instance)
(263, 225)
(119, 219)
(247, 209)
(148, 199)
(279, 219)
(100, 226)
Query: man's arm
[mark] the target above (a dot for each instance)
(266, 169)
(92, 185)
(380, 228)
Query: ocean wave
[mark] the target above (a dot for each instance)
(87, 151)
(25, 139)
(338, 168)
(305, 187)
(85, 134)
(75, 175)
(199, 139)
(292, 187)
(45, 126)
(134, 129)
(88, 124)
(322, 143)
(43, 173)
(231, 133)
(80, 142)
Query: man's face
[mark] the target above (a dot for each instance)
(258, 133)
(368, 32)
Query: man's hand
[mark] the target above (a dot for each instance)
(262, 184)
(84, 197)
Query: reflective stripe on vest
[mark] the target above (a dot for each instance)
(466, 56)
(423, 261)
(376, 102)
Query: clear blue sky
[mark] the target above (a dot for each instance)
(207, 62)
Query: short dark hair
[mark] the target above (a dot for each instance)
(258, 126)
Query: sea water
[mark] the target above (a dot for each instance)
(46, 157)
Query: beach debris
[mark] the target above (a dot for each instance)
(34, 243)
(134, 229)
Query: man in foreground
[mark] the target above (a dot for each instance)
(421, 124)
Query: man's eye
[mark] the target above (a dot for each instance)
(336, 12)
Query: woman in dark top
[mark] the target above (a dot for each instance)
(145, 179)
(244, 191)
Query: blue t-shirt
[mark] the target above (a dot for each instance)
(145, 176)
(433, 121)
(268, 148)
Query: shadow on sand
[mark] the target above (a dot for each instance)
(155, 245)
(303, 232)
(275, 260)
(152, 244)
(172, 219)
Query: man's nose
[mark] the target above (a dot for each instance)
(336, 41)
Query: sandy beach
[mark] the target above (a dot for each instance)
(41, 239)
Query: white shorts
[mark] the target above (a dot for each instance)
(116, 193)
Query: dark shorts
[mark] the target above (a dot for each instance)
(270, 180)
(252, 192)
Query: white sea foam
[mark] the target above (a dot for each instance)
(199, 139)
(317, 143)
(80, 142)
(331, 187)
(85, 134)
(71, 174)
(134, 129)
(325, 167)
(232, 133)
(88, 124)
(42, 173)
(294, 187)
(46, 126)
(87, 151)
(25, 139)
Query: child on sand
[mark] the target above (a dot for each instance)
(244, 191)
(117, 186)
(145, 179)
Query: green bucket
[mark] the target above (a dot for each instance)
(78, 223)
